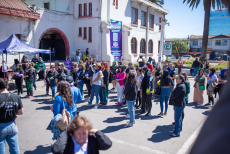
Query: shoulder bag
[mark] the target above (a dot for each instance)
(65, 120)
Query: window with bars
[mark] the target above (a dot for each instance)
(150, 46)
(85, 9)
(85, 33)
(90, 8)
(151, 21)
(142, 46)
(47, 5)
(80, 9)
(134, 45)
(90, 34)
(134, 18)
(143, 18)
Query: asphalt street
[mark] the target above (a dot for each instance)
(149, 135)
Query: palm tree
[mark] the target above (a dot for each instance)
(158, 2)
(207, 8)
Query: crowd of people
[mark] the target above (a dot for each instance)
(135, 85)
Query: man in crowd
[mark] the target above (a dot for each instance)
(35, 59)
(165, 65)
(42, 69)
(141, 63)
(66, 71)
(87, 52)
(53, 54)
(127, 70)
(196, 65)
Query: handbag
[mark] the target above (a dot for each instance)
(201, 87)
(65, 120)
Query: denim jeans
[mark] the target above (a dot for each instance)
(196, 70)
(9, 133)
(34, 83)
(130, 105)
(95, 89)
(53, 91)
(80, 84)
(178, 119)
(104, 95)
(165, 93)
(77, 59)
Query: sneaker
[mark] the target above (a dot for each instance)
(128, 124)
(160, 115)
(118, 104)
(148, 114)
(142, 112)
(165, 113)
(127, 116)
(96, 106)
(21, 95)
(88, 104)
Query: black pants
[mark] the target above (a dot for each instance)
(183, 115)
(147, 98)
(19, 85)
(88, 88)
(41, 75)
(138, 98)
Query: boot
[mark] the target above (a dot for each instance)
(212, 100)
(208, 99)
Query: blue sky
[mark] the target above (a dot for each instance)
(183, 21)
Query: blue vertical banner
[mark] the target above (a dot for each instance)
(116, 39)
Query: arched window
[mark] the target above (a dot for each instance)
(142, 46)
(150, 46)
(133, 45)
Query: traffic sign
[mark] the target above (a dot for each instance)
(167, 48)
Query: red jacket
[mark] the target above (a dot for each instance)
(150, 67)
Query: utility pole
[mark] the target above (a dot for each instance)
(162, 24)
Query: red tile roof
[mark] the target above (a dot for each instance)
(17, 8)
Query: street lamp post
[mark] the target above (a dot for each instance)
(162, 24)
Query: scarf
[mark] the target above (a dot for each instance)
(210, 75)
(97, 71)
(114, 66)
(159, 71)
(171, 71)
(18, 69)
(222, 72)
(79, 70)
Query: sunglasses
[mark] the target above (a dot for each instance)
(149, 72)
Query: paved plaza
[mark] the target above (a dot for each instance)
(149, 135)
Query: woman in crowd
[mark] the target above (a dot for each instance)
(10, 107)
(139, 80)
(29, 81)
(187, 85)
(18, 75)
(56, 65)
(147, 91)
(154, 63)
(35, 75)
(80, 77)
(206, 67)
(120, 82)
(173, 77)
(179, 64)
(80, 138)
(177, 99)
(14, 67)
(113, 70)
(130, 93)
(96, 84)
(201, 65)
(24, 61)
(64, 97)
(199, 87)
(52, 75)
(222, 79)
(211, 84)
(88, 75)
(42, 68)
(157, 78)
(74, 70)
(165, 84)
(104, 92)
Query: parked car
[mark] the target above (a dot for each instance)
(186, 57)
(171, 57)
(217, 58)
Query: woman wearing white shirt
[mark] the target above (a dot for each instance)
(211, 84)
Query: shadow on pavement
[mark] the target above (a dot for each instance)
(43, 108)
(40, 149)
(114, 119)
(111, 129)
(206, 113)
(161, 133)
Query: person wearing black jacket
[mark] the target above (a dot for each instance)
(147, 87)
(18, 76)
(177, 99)
(61, 75)
(130, 93)
(113, 71)
(88, 75)
(80, 77)
(90, 141)
(104, 92)
(52, 75)
(66, 71)
(196, 66)
(29, 81)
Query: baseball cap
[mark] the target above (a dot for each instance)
(69, 79)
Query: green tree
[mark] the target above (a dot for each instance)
(207, 8)
(179, 45)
